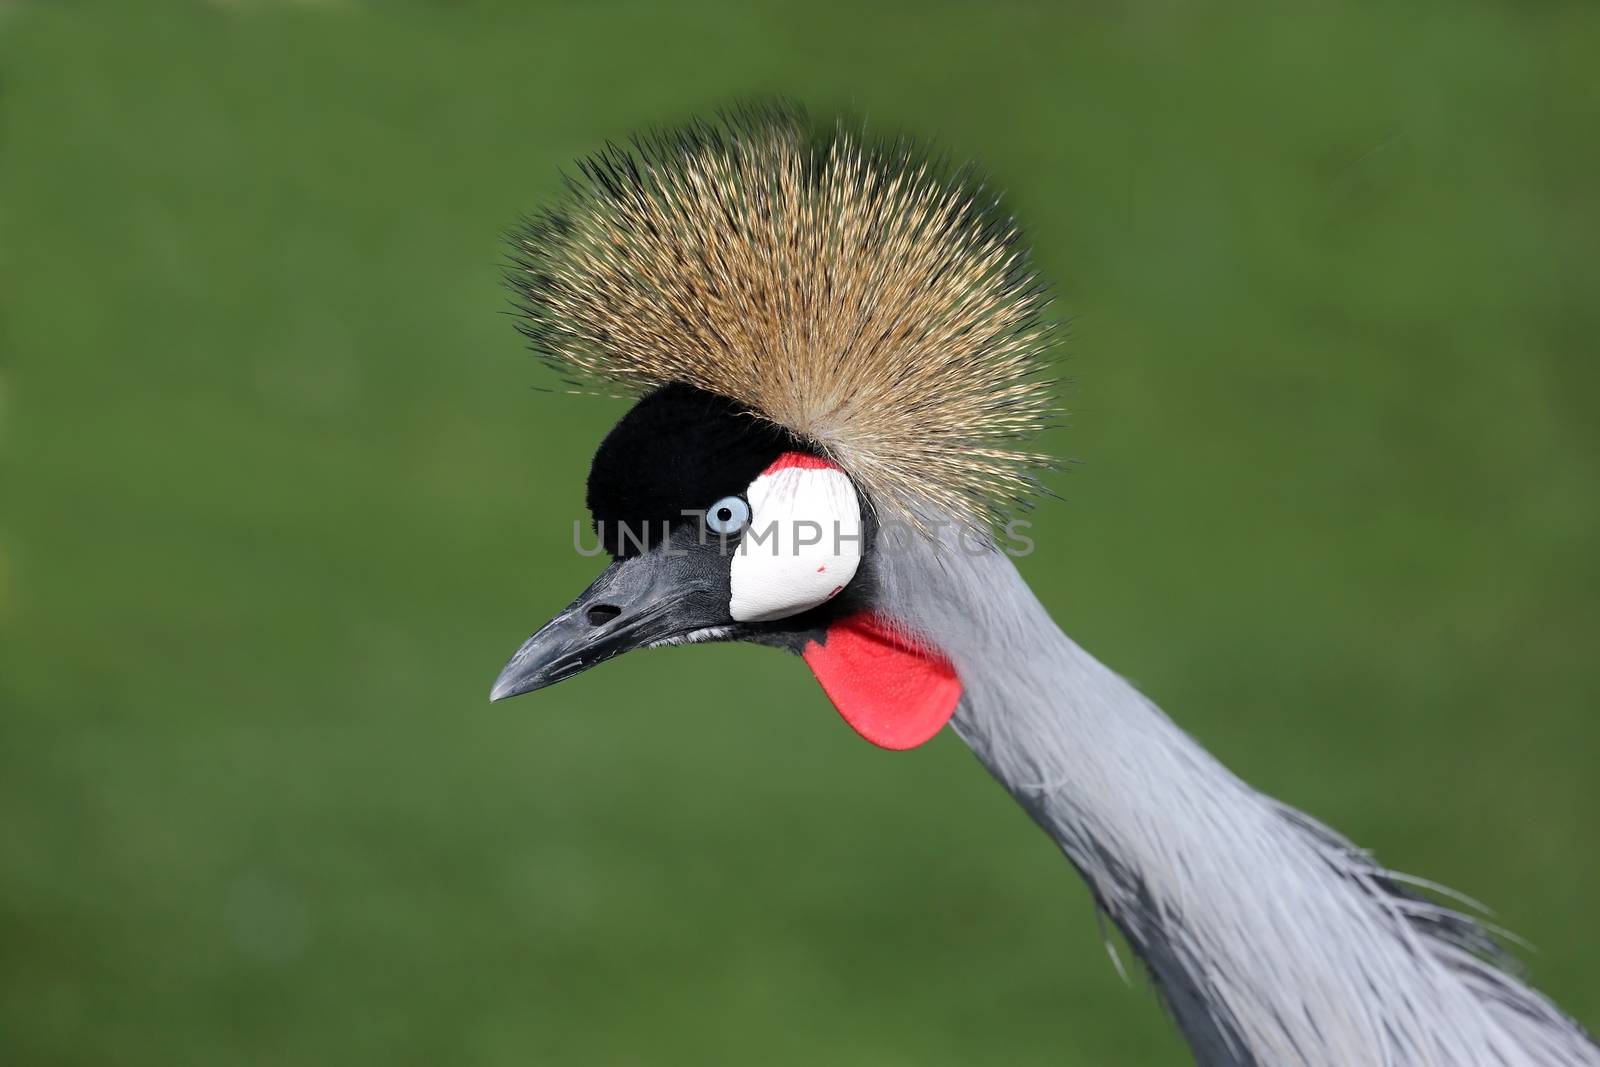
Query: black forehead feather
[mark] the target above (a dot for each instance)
(679, 448)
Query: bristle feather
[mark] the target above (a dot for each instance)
(851, 294)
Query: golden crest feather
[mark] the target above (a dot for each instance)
(852, 294)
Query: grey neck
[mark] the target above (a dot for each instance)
(1271, 939)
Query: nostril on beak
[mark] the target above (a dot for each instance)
(601, 614)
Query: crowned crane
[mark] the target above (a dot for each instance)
(839, 350)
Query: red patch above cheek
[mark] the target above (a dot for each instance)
(893, 693)
(801, 461)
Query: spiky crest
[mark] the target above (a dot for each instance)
(857, 295)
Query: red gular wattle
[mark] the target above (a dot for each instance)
(893, 692)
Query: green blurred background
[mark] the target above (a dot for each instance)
(280, 495)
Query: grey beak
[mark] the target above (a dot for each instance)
(634, 603)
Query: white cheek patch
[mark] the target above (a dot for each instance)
(803, 544)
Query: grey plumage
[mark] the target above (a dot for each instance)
(1273, 940)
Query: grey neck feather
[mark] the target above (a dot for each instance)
(1272, 940)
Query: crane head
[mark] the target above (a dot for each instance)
(829, 333)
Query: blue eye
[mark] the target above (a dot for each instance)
(728, 515)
